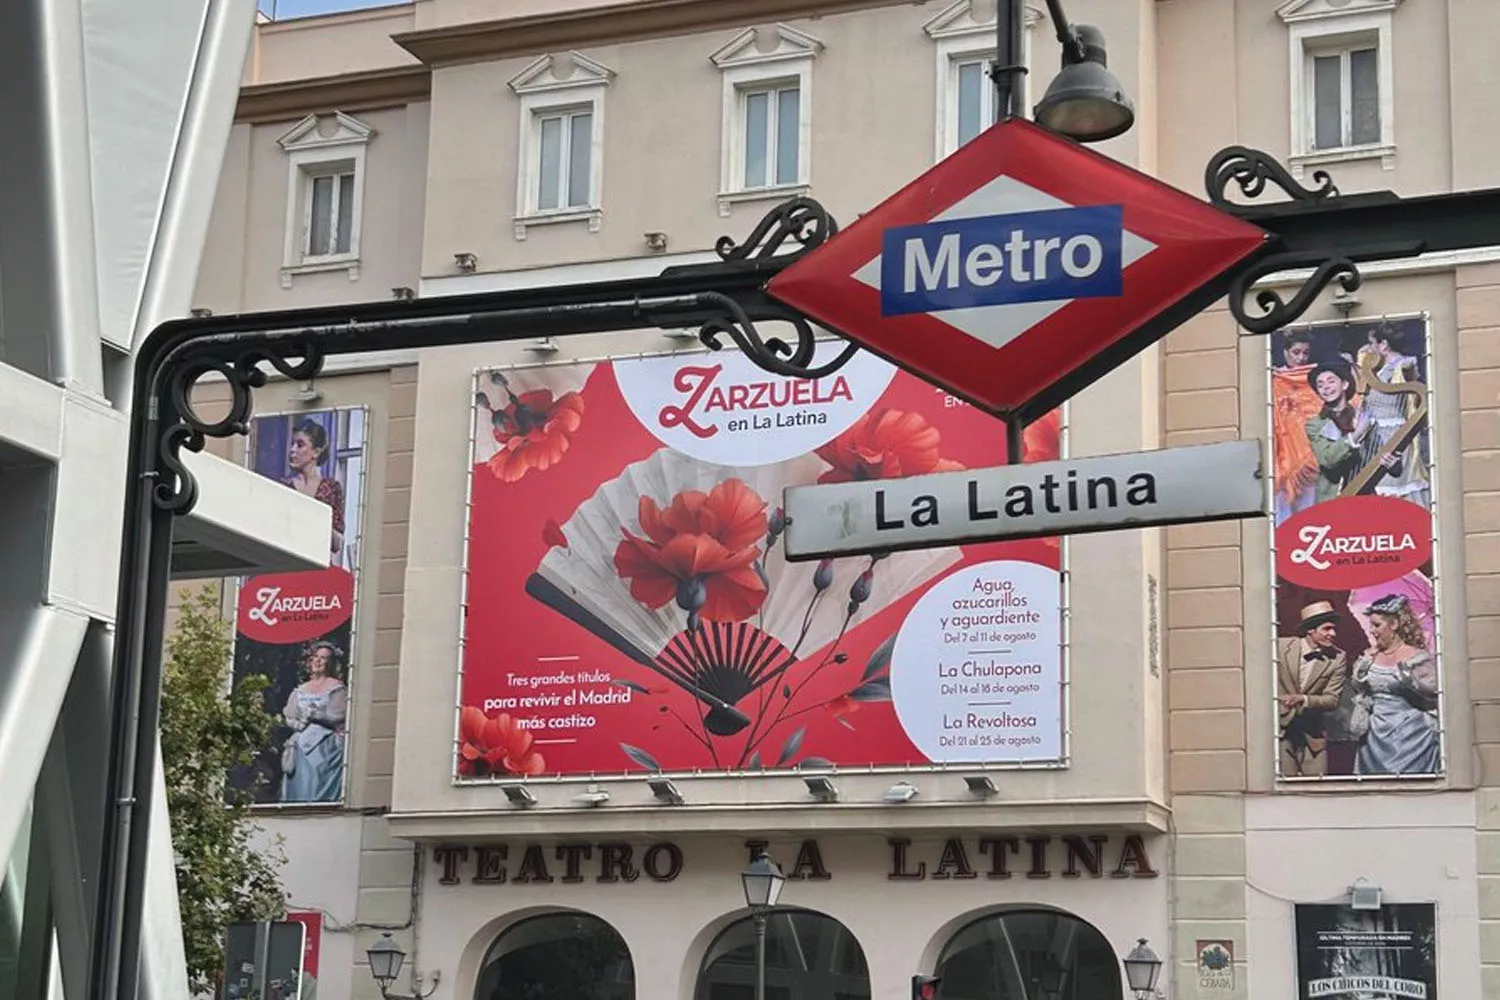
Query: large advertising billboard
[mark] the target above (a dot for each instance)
(1358, 688)
(1349, 954)
(628, 606)
(297, 629)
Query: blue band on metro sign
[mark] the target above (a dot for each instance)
(1044, 256)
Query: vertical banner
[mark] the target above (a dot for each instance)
(630, 608)
(1349, 954)
(297, 629)
(1358, 687)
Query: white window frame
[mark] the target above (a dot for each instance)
(960, 39)
(1317, 28)
(313, 152)
(544, 93)
(745, 69)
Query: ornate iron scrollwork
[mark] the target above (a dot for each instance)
(802, 219)
(772, 354)
(183, 426)
(1276, 311)
(1251, 169)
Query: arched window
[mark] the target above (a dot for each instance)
(809, 956)
(1029, 955)
(558, 956)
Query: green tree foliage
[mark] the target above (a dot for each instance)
(222, 877)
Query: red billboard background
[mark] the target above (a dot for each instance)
(594, 519)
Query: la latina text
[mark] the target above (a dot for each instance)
(1053, 494)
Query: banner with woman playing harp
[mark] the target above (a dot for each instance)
(1356, 645)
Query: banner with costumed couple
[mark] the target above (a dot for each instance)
(629, 607)
(297, 629)
(1357, 645)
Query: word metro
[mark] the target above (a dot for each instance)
(1044, 256)
(1074, 496)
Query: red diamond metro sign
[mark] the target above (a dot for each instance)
(1020, 269)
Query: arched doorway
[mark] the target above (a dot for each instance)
(557, 956)
(809, 956)
(1029, 955)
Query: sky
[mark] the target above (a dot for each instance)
(285, 9)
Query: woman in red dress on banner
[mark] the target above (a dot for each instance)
(305, 456)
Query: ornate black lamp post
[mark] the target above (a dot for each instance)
(386, 958)
(762, 882)
(1142, 968)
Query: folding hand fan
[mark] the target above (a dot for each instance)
(669, 563)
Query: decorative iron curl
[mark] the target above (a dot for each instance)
(1251, 169)
(772, 354)
(182, 426)
(802, 219)
(1275, 311)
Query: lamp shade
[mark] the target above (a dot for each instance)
(1142, 967)
(385, 958)
(763, 881)
(1084, 101)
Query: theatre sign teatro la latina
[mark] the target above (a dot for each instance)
(599, 628)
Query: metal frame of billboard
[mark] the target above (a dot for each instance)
(1063, 761)
(1354, 780)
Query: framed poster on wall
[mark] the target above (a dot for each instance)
(629, 607)
(1349, 954)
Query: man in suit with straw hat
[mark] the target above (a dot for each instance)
(1309, 677)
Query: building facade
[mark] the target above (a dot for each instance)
(1236, 740)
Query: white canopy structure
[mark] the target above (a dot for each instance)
(116, 116)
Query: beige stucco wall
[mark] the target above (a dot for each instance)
(245, 247)
(872, 132)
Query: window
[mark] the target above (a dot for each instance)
(564, 146)
(772, 148)
(1029, 953)
(325, 194)
(557, 956)
(559, 176)
(975, 101)
(809, 956)
(1346, 99)
(767, 106)
(965, 90)
(330, 213)
(1341, 80)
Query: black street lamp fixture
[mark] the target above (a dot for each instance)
(1085, 101)
(1142, 968)
(762, 882)
(386, 958)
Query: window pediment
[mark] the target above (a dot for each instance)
(758, 46)
(970, 17)
(566, 71)
(316, 132)
(1315, 10)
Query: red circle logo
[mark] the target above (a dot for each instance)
(286, 608)
(1353, 542)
